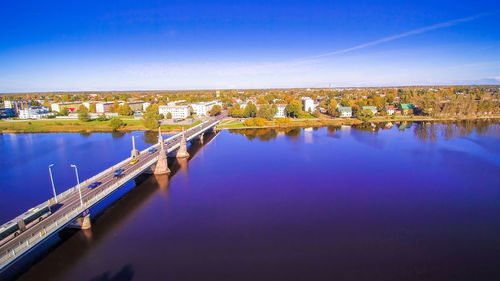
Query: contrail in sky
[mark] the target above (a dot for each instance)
(401, 35)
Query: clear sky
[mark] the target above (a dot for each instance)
(132, 45)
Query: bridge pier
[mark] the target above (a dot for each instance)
(161, 166)
(134, 153)
(182, 152)
(82, 222)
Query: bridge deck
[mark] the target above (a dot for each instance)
(69, 201)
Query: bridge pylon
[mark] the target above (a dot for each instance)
(182, 152)
(161, 166)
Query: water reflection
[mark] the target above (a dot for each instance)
(150, 137)
(118, 134)
(424, 131)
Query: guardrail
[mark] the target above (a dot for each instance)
(61, 220)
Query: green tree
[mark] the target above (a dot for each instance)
(267, 112)
(115, 107)
(83, 116)
(64, 112)
(151, 117)
(332, 107)
(125, 110)
(92, 107)
(116, 123)
(250, 110)
(235, 111)
(102, 117)
(168, 115)
(364, 115)
(294, 109)
(82, 108)
(215, 110)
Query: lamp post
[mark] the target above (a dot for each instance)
(52, 181)
(78, 182)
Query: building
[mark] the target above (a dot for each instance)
(86, 104)
(344, 111)
(309, 104)
(373, 109)
(177, 111)
(281, 111)
(14, 105)
(135, 105)
(71, 106)
(202, 108)
(35, 112)
(407, 108)
(145, 106)
(390, 110)
(102, 107)
(7, 113)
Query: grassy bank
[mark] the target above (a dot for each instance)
(59, 126)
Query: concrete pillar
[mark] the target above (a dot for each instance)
(86, 224)
(134, 152)
(82, 222)
(162, 163)
(201, 138)
(182, 152)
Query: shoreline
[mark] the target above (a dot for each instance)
(43, 126)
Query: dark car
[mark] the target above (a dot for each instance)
(119, 172)
(94, 184)
(152, 150)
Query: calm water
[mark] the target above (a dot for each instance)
(419, 202)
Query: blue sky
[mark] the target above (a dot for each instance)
(133, 45)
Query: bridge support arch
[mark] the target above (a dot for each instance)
(161, 166)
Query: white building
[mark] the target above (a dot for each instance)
(71, 106)
(309, 105)
(86, 104)
(35, 112)
(177, 111)
(281, 112)
(102, 107)
(202, 108)
(145, 106)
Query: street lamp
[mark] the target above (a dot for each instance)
(52, 181)
(78, 182)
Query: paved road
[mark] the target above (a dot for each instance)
(72, 200)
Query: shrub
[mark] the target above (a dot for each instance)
(255, 122)
(116, 123)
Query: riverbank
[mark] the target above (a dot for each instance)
(76, 126)
(321, 122)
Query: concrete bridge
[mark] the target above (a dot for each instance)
(73, 205)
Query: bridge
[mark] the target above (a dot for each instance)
(72, 207)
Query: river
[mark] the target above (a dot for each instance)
(411, 201)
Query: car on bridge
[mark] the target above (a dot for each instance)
(152, 150)
(94, 185)
(134, 161)
(118, 172)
